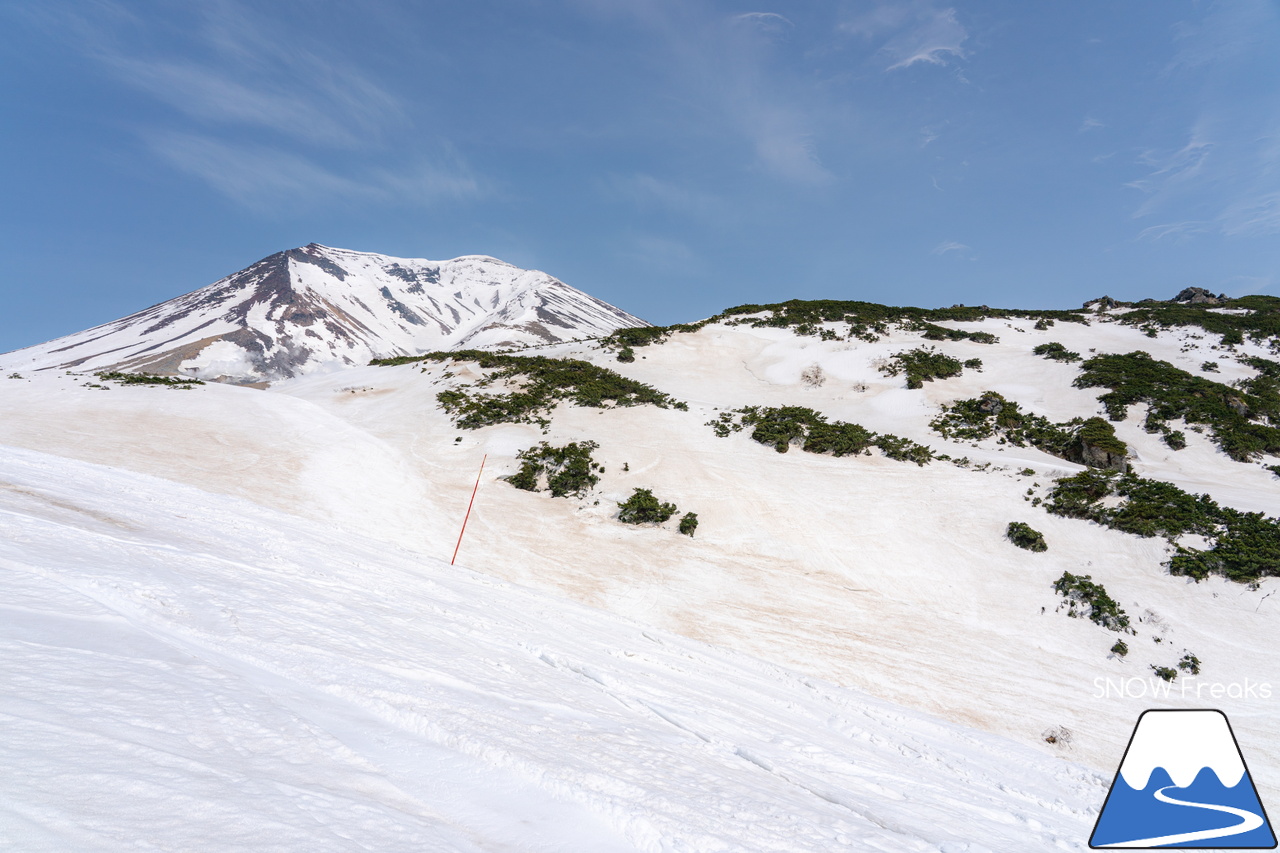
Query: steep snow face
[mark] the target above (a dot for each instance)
(317, 308)
(189, 671)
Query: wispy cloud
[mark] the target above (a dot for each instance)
(765, 20)
(1175, 231)
(1255, 216)
(1172, 173)
(227, 65)
(266, 179)
(948, 246)
(1089, 124)
(260, 115)
(649, 191)
(727, 68)
(1227, 32)
(911, 33)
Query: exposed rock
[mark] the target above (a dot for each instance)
(1099, 457)
(991, 404)
(1102, 303)
(1097, 446)
(1199, 296)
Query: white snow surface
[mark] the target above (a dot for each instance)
(188, 671)
(1183, 743)
(317, 308)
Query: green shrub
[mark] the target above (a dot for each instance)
(1260, 321)
(540, 383)
(867, 317)
(1209, 366)
(1120, 649)
(1189, 663)
(1088, 600)
(782, 427)
(1056, 351)
(1246, 545)
(1025, 536)
(688, 523)
(643, 336)
(643, 508)
(991, 415)
(923, 365)
(1242, 419)
(148, 379)
(568, 470)
(626, 355)
(1168, 673)
(1097, 433)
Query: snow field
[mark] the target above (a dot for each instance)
(190, 671)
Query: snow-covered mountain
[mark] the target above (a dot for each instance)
(316, 307)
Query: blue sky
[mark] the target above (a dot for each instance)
(673, 158)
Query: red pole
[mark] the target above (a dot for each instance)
(468, 515)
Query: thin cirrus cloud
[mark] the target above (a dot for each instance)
(1174, 231)
(1173, 173)
(264, 120)
(728, 68)
(911, 33)
(948, 246)
(346, 113)
(648, 191)
(266, 179)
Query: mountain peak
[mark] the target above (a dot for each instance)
(317, 307)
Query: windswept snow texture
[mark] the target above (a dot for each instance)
(189, 671)
(318, 308)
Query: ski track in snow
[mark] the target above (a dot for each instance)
(187, 671)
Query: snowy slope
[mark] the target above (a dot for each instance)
(186, 671)
(318, 308)
(881, 576)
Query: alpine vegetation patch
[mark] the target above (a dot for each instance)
(643, 508)
(783, 426)
(533, 387)
(688, 523)
(923, 364)
(1025, 536)
(1056, 351)
(1091, 441)
(1244, 419)
(1246, 545)
(563, 471)
(182, 382)
(1088, 600)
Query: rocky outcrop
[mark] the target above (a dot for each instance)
(1097, 446)
(1102, 303)
(1199, 296)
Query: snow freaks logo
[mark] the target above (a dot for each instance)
(1183, 783)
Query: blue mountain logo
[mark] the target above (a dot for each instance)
(1183, 783)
